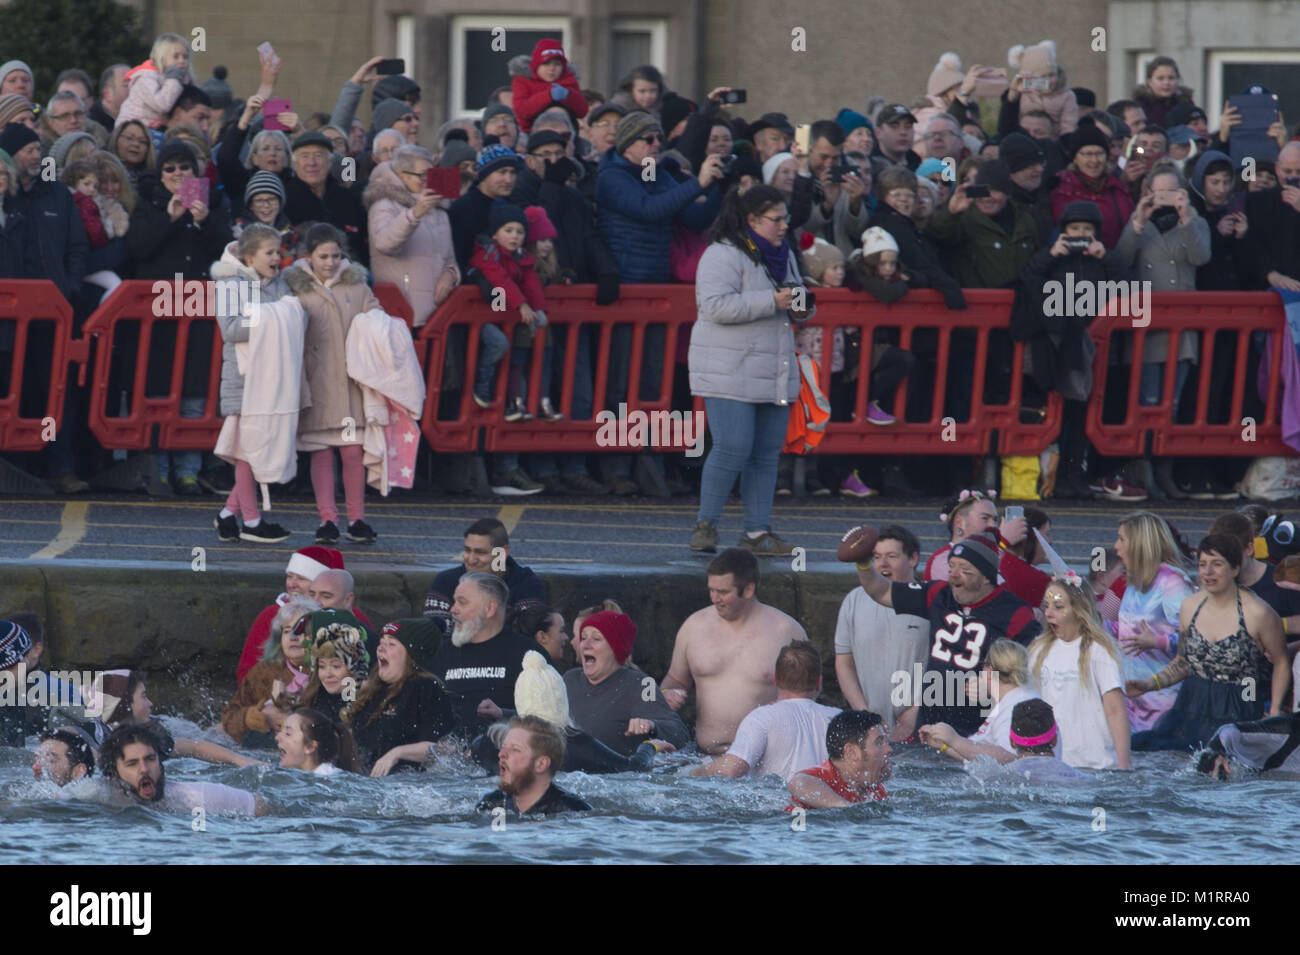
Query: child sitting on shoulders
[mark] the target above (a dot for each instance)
(157, 83)
(551, 83)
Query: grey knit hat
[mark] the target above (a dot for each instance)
(981, 552)
(63, 144)
(455, 153)
(388, 112)
(263, 182)
(632, 127)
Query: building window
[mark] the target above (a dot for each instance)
(1230, 72)
(634, 43)
(404, 42)
(483, 46)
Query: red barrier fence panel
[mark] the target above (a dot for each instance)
(153, 305)
(1209, 315)
(26, 305)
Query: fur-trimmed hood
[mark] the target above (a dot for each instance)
(229, 266)
(386, 184)
(1144, 95)
(301, 279)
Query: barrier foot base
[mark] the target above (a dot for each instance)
(133, 475)
(14, 480)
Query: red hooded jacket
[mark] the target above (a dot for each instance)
(532, 96)
(514, 273)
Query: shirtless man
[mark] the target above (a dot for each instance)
(728, 650)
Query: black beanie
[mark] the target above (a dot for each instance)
(1019, 151)
(174, 150)
(1087, 134)
(673, 110)
(995, 174)
(1081, 211)
(981, 552)
(16, 137)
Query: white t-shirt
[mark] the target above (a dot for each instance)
(1045, 769)
(882, 643)
(996, 729)
(784, 737)
(210, 797)
(1085, 738)
(326, 769)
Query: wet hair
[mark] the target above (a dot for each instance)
(1031, 718)
(120, 739)
(732, 224)
(1236, 525)
(1009, 659)
(828, 130)
(741, 564)
(1158, 61)
(79, 750)
(490, 528)
(322, 233)
(798, 667)
(334, 742)
(492, 586)
(1226, 546)
(545, 739)
(122, 712)
(897, 532)
(850, 726)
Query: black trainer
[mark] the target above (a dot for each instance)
(227, 527)
(327, 533)
(360, 532)
(264, 533)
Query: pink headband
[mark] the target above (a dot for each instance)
(1031, 741)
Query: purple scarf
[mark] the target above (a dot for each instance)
(776, 257)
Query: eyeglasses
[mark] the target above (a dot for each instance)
(408, 118)
(779, 220)
(1092, 154)
(900, 194)
(264, 200)
(173, 167)
(79, 114)
(133, 140)
(650, 140)
(603, 124)
(553, 155)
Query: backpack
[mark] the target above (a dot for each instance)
(809, 413)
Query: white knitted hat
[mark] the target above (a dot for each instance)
(539, 691)
(876, 240)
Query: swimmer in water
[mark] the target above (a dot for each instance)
(63, 757)
(859, 763)
(310, 741)
(1033, 737)
(132, 766)
(1261, 745)
(531, 754)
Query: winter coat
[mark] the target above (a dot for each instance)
(114, 216)
(515, 275)
(1114, 201)
(635, 218)
(231, 320)
(984, 254)
(807, 213)
(1156, 107)
(1059, 103)
(243, 714)
(409, 252)
(90, 219)
(160, 248)
(150, 96)
(1272, 237)
(1168, 261)
(469, 220)
(916, 252)
(533, 96)
(742, 348)
(339, 206)
(54, 245)
(1227, 270)
(578, 246)
(330, 308)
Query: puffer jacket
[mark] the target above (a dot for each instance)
(1114, 201)
(742, 348)
(330, 308)
(236, 277)
(635, 218)
(409, 252)
(1168, 261)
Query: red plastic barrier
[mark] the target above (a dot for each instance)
(674, 307)
(25, 303)
(1240, 313)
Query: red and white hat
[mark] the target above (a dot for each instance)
(311, 562)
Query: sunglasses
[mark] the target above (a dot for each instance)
(172, 167)
(651, 139)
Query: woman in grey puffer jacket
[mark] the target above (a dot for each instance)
(252, 259)
(742, 361)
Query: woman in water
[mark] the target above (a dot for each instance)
(337, 658)
(1033, 737)
(253, 716)
(1077, 668)
(402, 710)
(1226, 633)
(1005, 678)
(314, 743)
(1147, 628)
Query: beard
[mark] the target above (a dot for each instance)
(159, 789)
(466, 630)
(519, 782)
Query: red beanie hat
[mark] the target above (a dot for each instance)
(547, 50)
(618, 630)
(539, 224)
(311, 562)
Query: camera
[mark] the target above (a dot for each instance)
(840, 168)
(727, 162)
(732, 97)
(809, 298)
(977, 192)
(1080, 243)
(1293, 181)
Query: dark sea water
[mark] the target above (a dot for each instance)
(1162, 812)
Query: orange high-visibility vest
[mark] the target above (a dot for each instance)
(810, 411)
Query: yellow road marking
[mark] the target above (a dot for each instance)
(72, 528)
(509, 516)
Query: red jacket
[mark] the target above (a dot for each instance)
(513, 273)
(90, 219)
(1114, 201)
(532, 96)
(260, 632)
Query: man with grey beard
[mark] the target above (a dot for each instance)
(478, 668)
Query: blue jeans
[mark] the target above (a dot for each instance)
(185, 463)
(1153, 379)
(492, 347)
(747, 441)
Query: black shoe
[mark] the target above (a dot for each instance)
(264, 533)
(227, 527)
(1198, 489)
(327, 533)
(359, 532)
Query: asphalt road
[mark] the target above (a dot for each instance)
(426, 531)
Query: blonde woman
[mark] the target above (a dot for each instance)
(1005, 679)
(1078, 671)
(1147, 628)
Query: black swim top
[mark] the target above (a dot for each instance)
(1230, 660)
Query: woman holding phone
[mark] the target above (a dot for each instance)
(410, 234)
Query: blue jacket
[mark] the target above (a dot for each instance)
(54, 240)
(636, 218)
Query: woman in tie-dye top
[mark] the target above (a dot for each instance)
(1147, 628)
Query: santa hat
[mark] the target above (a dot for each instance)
(311, 562)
